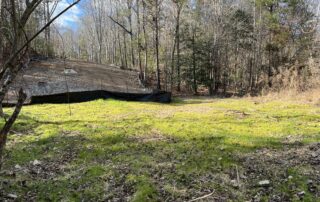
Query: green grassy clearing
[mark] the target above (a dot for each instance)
(151, 152)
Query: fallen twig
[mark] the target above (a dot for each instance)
(238, 177)
(202, 197)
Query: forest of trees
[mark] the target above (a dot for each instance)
(241, 46)
(211, 46)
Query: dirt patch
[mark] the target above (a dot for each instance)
(277, 166)
(23, 175)
(258, 176)
(55, 76)
(116, 187)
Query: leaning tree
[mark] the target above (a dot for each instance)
(14, 44)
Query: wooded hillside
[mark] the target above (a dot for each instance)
(239, 46)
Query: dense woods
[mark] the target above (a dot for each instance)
(211, 46)
(208, 46)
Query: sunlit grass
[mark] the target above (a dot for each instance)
(148, 141)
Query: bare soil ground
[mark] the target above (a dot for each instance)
(277, 166)
(57, 76)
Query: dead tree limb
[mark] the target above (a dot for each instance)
(120, 25)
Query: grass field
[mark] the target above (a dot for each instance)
(129, 151)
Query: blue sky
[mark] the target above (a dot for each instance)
(71, 18)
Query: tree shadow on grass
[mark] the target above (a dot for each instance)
(111, 142)
(86, 163)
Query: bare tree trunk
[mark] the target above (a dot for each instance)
(254, 48)
(125, 49)
(1, 47)
(97, 16)
(129, 4)
(1, 7)
(139, 42)
(194, 62)
(47, 31)
(1, 35)
(270, 51)
(145, 40)
(179, 7)
(120, 50)
(157, 44)
(173, 62)
(114, 58)
(6, 128)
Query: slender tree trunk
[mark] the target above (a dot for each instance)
(270, 52)
(48, 34)
(254, 48)
(114, 58)
(139, 42)
(1, 35)
(173, 62)
(125, 49)
(1, 47)
(270, 69)
(250, 73)
(6, 128)
(157, 44)
(129, 2)
(178, 47)
(194, 63)
(145, 40)
(226, 70)
(46, 51)
(114, 44)
(120, 50)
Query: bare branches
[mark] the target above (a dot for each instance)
(120, 25)
(215, 44)
(38, 33)
(31, 6)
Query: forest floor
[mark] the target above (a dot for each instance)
(190, 150)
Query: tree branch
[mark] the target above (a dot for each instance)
(120, 25)
(13, 56)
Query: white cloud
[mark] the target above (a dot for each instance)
(68, 19)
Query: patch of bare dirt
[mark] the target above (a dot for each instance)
(55, 76)
(116, 187)
(272, 168)
(44, 169)
(259, 174)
